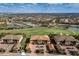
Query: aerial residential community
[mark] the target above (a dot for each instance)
(42, 33)
(61, 38)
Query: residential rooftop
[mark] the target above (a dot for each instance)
(17, 37)
(64, 37)
(39, 37)
(12, 37)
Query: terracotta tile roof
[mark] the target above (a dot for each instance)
(17, 37)
(38, 37)
(30, 46)
(51, 46)
(64, 37)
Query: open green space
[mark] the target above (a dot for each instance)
(41, 31)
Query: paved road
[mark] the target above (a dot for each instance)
(29, 54)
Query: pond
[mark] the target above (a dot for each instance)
(73, 27)
(76, 27)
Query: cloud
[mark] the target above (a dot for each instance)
(39, 7)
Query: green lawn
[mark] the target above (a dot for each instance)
(40, 31)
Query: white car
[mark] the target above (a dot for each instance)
(23, 53)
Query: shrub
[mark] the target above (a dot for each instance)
(2, 50)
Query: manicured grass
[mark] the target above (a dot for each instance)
(23, 42)
(39, 31)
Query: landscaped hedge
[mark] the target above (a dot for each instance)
(2, 50)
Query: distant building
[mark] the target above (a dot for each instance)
(2, 22)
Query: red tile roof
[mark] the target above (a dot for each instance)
(51, 46)
(30, 46)
(38, 37)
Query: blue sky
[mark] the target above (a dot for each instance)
(39, 7)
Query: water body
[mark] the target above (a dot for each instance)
(73, 27)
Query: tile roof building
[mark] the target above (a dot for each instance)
(39, 42)
(8, 42)
(65, 39)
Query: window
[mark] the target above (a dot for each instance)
(15, 41)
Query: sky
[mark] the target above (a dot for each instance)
(39, 7)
